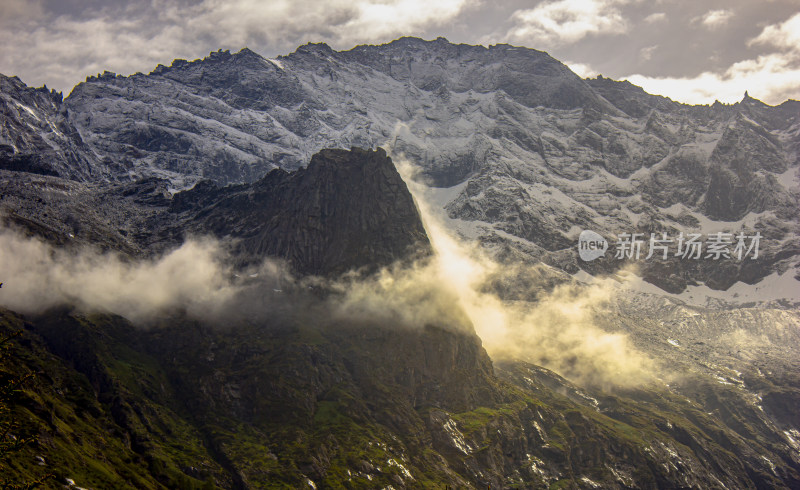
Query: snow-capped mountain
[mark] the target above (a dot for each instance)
(539, 153)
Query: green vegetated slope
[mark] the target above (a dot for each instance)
(288, 405)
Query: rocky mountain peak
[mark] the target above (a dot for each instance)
(314, 49)
(530, 77)
(36, 135)
(346, 210)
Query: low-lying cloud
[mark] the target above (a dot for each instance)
(37, 276)
(449, 290)
(558, 330)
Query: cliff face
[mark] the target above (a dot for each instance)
(346, 210)
(37, 136)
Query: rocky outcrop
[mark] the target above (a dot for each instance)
(37, 136)
(346, 210)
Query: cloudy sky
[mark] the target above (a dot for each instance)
(693, 51)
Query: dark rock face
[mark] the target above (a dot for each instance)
(346, 210)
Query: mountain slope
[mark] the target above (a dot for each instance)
(281, 404)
